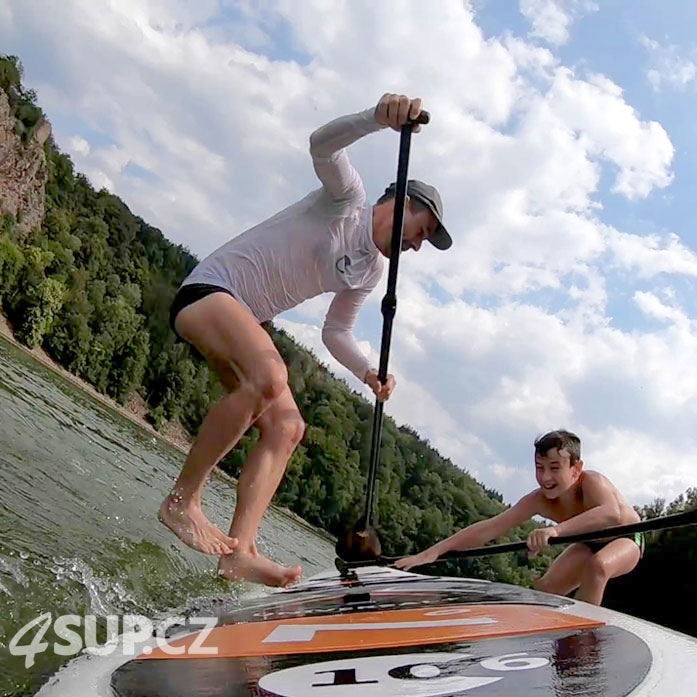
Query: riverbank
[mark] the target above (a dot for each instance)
(173, 433)
(135, 410)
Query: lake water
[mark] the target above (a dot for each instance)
(79, 491)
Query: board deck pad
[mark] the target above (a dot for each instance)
(373, 630)
(602, 661)
(383, 591)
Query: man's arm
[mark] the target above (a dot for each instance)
(337, 336)
(478, 533)
(337, 332)
(328, 144)
(329, 158)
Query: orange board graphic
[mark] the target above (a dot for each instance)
(373, 630)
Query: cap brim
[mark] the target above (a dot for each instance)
(441, 239)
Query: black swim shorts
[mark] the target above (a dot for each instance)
(637, 538)
(189, 294)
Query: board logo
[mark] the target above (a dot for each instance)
(404, 675)
(432, 622)
(383, 629)
(606, 660)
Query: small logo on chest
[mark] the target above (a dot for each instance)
(343, 264)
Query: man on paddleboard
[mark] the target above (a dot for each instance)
(578, 501)
(330, 241)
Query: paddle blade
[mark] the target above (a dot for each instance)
(359, 544)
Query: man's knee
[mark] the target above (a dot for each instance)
(264, 384)
(284, 428)
(269, 379)
(292, 431)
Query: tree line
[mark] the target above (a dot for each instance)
(93, 287)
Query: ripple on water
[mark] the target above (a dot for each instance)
(78, 527)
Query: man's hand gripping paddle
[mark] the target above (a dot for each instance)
(362, 541)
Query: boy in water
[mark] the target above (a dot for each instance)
(577, 501)
(332, 240)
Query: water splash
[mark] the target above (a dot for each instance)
(107, 596)
(12, 568)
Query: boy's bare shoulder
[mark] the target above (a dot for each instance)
(597, 487)
(532, 502)
(592, 478)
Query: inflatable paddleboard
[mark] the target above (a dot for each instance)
(380, 632)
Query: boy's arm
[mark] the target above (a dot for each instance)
(599, 493)
(478, 533)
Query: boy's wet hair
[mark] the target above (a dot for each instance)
(559, 439)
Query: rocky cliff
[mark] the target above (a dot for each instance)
(22, 169)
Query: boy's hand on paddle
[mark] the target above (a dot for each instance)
(382, 391)
(394, 110)
(426, 557)
(538, 539)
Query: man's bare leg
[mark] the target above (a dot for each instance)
(617, 558)
(281, 428)
(244, 357)
(181, 511)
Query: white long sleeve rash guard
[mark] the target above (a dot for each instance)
(323, 243)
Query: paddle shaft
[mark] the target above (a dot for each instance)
(389, 304)
(677, 520)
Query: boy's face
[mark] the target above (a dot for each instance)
(554, 472)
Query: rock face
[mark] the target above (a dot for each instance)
(22, 169)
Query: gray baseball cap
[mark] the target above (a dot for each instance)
(429, 196)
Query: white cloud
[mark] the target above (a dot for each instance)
(203, 120)
(503, 472)
(5, 15)
(671, 66)
(611, 129)
(78, 146)
(552, 19)
(649, 255)
(652, 306)
(643, 468)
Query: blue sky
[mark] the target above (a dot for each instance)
(562, 141)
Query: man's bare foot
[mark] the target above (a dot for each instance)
(254, 567)
(189, 524)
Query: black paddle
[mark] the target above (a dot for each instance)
(362, 541)
(676, 520)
